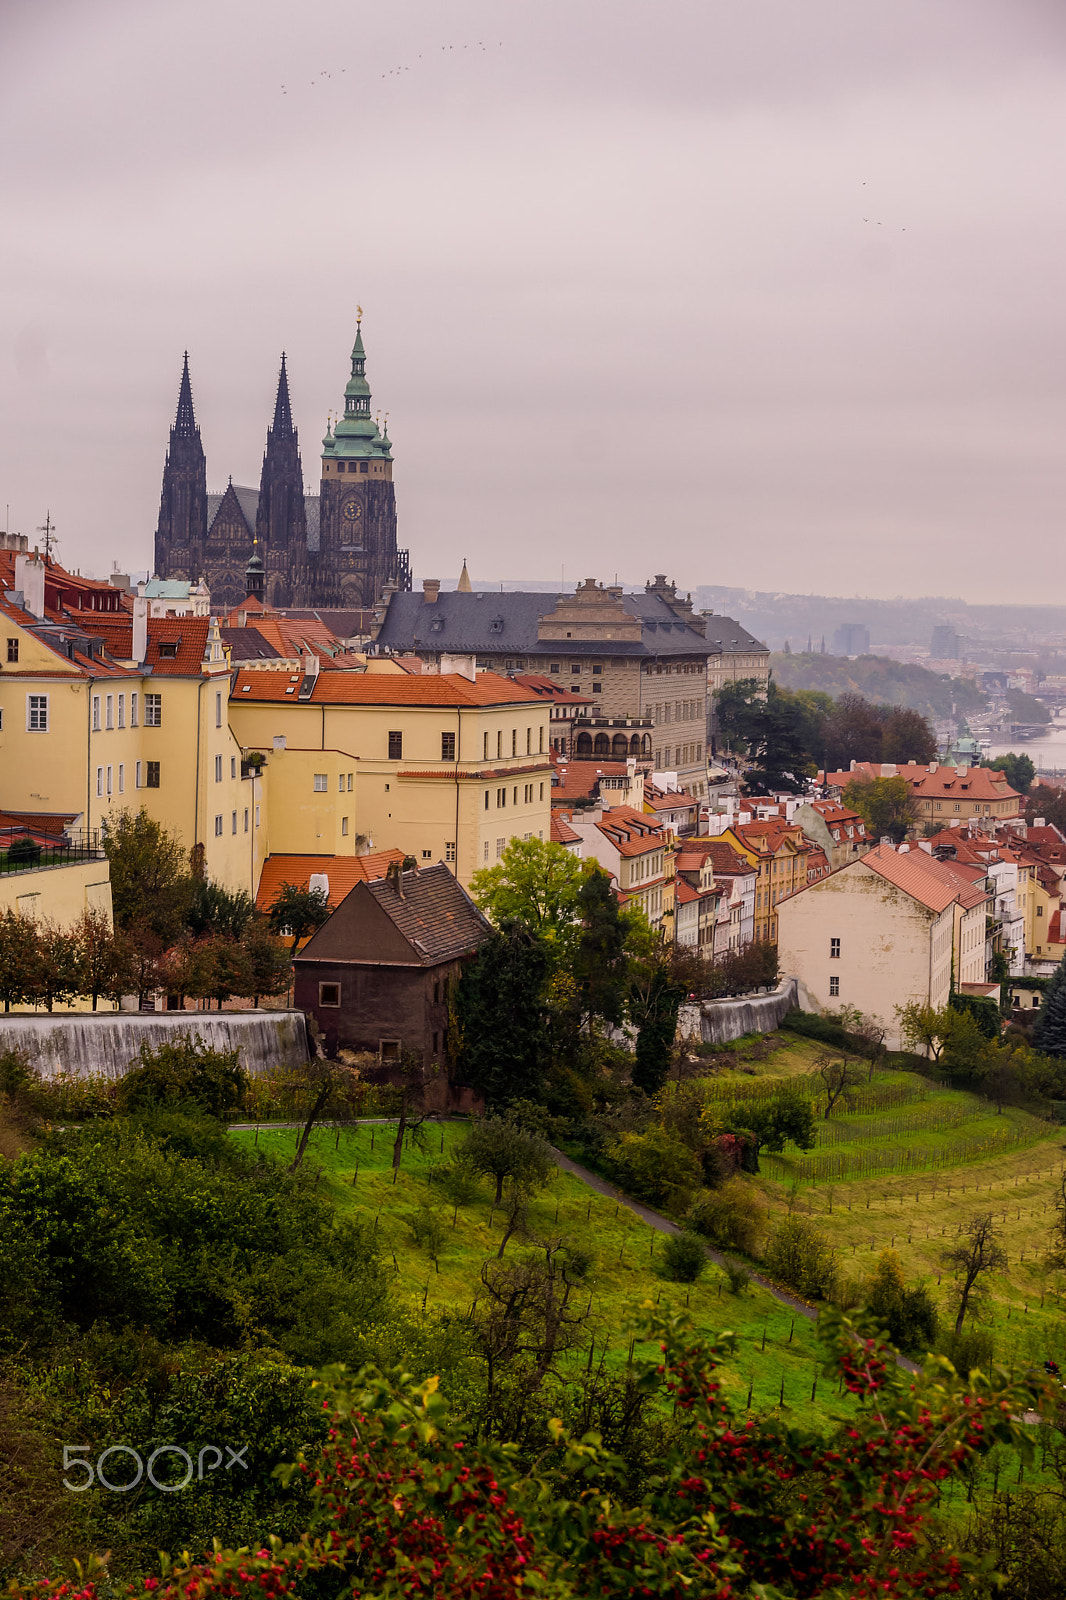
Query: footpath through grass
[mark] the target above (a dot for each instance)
(778, 1354)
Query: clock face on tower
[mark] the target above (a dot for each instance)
(352, 511)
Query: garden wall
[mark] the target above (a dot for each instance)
(719, 1021)
(107, 1043)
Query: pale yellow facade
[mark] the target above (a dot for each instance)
(855, 939)
(58, 894)
(463, 810)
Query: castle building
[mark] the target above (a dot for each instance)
(334, 550)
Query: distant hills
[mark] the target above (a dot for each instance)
(884, 682)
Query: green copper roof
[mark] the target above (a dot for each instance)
(356, 434)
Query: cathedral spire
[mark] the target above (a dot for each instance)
(185, 421)
(283, 427)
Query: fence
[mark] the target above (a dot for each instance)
(83, 845)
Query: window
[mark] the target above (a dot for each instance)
(350, 776)
(257, 816)
(436, 1037)
(100, 780)
(153, 710)
(37, 713)
(542, 791)
(834, 949)
(427, 855)
(109, 719)
(322, 780)
(133, 710)
(395, 746)
(575, 668)
(218, 826)
(501, 798)
(486, 849)
(499, 745)
(137, 775)
(96, 713)
(233, 766)
(218, 710)
(110, 771)
(233, 822)
(449, 850)
(340, 783)
(122, 777)
(12, 649)
(540, 740)
(447, 746)
(122, 710)
(485, 751)
(597, 670)
(554, 667)
(390, 1049)
(329, 994)
(516, 794)
(834, 987)
(486, 799)
(151, 774)
(246, 819)
(218, 769)
(501, 845)
(529, 741)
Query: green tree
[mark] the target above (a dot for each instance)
(267, 965)
(767, 726)
(907, 736)
(908, 1315)
(500, 1012)
(536, 882)
(104, 967)
(599, 965)
(786, 1118)
(298, 913)
(886, 805)
(1050, 1033)
(801, 1255)
(501, 1148)
(56, 974)
(151, 885)
(215, 909)
(968, 1056)
(182, 1070)
(976, 1255)
(1047, 802)
(924, 1029)
(1020, 770)
(657, 988)
(18, 939)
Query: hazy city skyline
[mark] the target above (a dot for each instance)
(766, 297)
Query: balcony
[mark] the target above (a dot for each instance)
(29, 852)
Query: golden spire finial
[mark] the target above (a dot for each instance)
(358, 315)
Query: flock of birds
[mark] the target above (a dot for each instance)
(394, 72)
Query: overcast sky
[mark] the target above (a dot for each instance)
(758, 292)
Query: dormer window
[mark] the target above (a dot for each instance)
(168, 650)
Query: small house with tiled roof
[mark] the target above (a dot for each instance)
(892, 927)
(636, 850)
(379, 976)
(941, 794)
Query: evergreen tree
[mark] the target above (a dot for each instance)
(655, 998)
(500, 1013)
(600, 958)
(1050, 1035)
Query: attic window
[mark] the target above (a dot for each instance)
(247, 689)
(168, 649)
(496, 625)
(291, 689)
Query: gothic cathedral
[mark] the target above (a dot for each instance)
(335, 550)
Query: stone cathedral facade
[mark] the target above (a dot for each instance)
(332, 550)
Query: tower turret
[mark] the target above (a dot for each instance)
(182, 526)
(281, 517)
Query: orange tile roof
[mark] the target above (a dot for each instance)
(562, 832)
(631, 832)
(722, 856)
(190, 636)
(575, 779)
(975, 783)
(935, 884)
(384, 689)
(343, 872)
(551, 689)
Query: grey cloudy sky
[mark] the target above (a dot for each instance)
(761, 292)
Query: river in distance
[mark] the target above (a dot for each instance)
(1047, 751)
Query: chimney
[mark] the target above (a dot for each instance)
(29, 577)
(140, 629)
(464, 666)
(394, 876)
(430, 591)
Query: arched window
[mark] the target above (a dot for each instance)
(603, 745)
(583, 744)
(620, 748)
(634, 745)
(647, 744)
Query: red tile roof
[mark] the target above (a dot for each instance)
(188, 635)
(934, 883)
(576, 780)
(343, 872)
(631, 832)
(562, 832)
(943, 782)
(384, 689)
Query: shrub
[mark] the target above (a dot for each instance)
(737, 1277)
(655, 1167)
(24, 852)
(733, 1215)
(970, 1349)
(801, 1255)
(908, 1314)
(457, 1182)
(184, 1070)
(683, 1257)
(579, 1261)
(427, 1231)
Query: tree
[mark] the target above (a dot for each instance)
(499, 1148)
(923, 1028)
(1050, 1033)
(968, 1056)
(266, 962)
(298, 912)
(839, 1076)
(18, 939)
(104, 970)
(909, 1315)
(56, 973)
(907, 736)
(225, 971)
(500, 1013)
(886, 805)
(538, 883)
(185, 1069)
(977, 1254)
(215, 909)
(333, 1090)
(182, 971)
(786, 1118)
(151, 885)
(766, 725)
(1046, 801)
(854, 731)
(526, 1314)
(656, 989)
(1020, 770)
(599, 963)
(801, 1255)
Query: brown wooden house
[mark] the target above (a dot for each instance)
(379, 974)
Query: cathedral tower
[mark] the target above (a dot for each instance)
(182, 527)
(357, 554)
(281, 518)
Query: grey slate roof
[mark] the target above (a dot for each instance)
(489, 623)
(435, 915)
(248, 644)
(249, 503)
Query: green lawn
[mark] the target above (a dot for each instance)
(354, 1169)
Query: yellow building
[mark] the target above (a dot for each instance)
(893, 927)
(441, 766)
(58, 893)
(778, 851)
